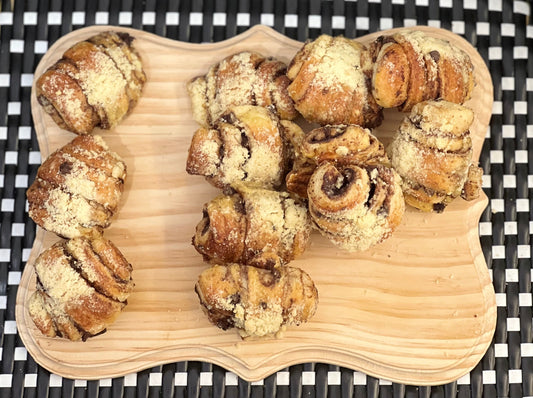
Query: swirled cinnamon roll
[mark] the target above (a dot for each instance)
(356, 207)
(330, 82)
(257, 302)
(247, 226)
(246, 78)
(95, 84)
(82, 286)
(77, 188)
(411, 67)
(246, 146)
(432, 152)
(341, 144)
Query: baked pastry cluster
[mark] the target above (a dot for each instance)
(83, 282)
(95, 84)
(82, 286)
(432, 152)
(337, 176)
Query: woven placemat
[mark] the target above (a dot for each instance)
(503, 35)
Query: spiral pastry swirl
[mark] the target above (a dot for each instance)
(356, 207)
(340, 144)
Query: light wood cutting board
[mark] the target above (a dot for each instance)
(417, 309)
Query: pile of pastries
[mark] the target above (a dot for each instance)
(83, 281)
(279, 182)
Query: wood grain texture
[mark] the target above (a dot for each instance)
(417, 309)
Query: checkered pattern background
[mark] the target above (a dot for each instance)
(499, 29)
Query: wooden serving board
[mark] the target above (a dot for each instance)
(417, 309)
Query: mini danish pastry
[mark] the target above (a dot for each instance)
(246, 146)
(355, 207)
(432, 152)
(412, 67)
(341, 144)
(250, 224)
(258, 302)
(330, 82)
(246, 78)
(95, 84)
(82, 286)
(77, 188)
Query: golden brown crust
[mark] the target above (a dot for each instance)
(96, 83)
(246, 146)
(356, 207)
(77, 188)
(340, 144)
(245, 78)
(252, 223)
(258, 302)
(412, 67)
(330, 83)
(79, 292)
(432, 152)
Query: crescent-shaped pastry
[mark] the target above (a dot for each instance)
(412, 66)
(257, 302)
(95, 84)
(355, 207)
(246, 78)
(246, 146)
(330, 82)
(82, 286)
(77, 188)
(432, 152)
(245, 226)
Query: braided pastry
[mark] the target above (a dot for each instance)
(82, 286)
(258, 302)
(77, 188)
(246, 78)
(96, 83)
(411, 67)
(245, 226)
(247, 145)
(330, 83)
(354, 206)
(342, 144)
(432, 152)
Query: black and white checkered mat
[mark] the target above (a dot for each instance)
(499, 29)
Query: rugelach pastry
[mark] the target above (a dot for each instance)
(77, 188)
(330, 82)
(257, 302)
(247, 145)
(248, 225)
(432, 152)
(245, 78)
(95, 84)
(82, 286)
(355, 207)
(340, 144)
(412, 66)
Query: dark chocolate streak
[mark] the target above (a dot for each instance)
(325, 134)
(329, 183)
